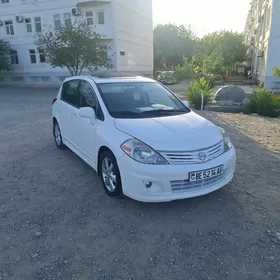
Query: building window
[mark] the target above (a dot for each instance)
(5, 1)
(57, 21)
(38, 25)
(32, 54)
(100, 17)
(42, 56)
(9, 27)
(89, 18)
(28, 25)
(14, 57)
(17, 79)
(67, 19)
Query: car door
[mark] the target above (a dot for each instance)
(87, 127)
(69, 106)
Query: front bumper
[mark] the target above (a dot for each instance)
(170, 182)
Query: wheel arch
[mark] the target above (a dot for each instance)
(54, 120)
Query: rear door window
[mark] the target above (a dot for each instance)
(70, 93)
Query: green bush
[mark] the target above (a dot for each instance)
(184, 72)
(211, 81)
(264, 103)
(193, 93)
(276, 71)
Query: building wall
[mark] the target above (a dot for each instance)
(134, 35)
(273, 54)
(262, 33)
(23, 41)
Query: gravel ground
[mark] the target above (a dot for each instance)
(265, 131)
(57, 223)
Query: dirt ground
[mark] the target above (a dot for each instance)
(57, 223)
(265, 131)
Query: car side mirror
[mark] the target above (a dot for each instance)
(87, 113)
(186, 103)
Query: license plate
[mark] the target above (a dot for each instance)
(206, 174)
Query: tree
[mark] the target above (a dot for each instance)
(172, 44)
(276, 71)
(185, 71)
(76, 47)
(4, 55)
(214, 63)
(225, 46)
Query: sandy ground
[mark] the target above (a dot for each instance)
(57, 223)
(266, 131)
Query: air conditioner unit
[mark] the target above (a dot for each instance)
(19, 18)
(1, 23)
(76, 12)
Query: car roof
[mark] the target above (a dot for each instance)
(112, 77)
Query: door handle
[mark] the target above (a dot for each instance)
(74, 115)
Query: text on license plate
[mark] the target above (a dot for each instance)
(206, 174)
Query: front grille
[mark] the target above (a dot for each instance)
(181, 186)
(190, 157)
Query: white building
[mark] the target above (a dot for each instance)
(262, 33)
(127, 24)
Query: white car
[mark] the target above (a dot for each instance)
(143, 141)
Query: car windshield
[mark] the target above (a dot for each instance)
(140, 100)
(168, 74)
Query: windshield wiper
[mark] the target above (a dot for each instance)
(152, 112)
(127, 113)
(164, 111)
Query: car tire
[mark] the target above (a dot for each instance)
(58, 136)
(109, 174)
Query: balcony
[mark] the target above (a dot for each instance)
(92, 2)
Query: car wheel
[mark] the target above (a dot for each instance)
(110, 174)
(57, 136)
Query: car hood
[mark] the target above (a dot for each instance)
(173, 133)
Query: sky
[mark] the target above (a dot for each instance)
(204, 16)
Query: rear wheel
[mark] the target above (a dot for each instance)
(57, 136)
(110, 174)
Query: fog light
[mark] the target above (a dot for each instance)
(153, 186)
(149, 185)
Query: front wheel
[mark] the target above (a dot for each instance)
(110, 174)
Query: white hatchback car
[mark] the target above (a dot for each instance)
(142, 140)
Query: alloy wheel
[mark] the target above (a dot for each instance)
(57, 135)
(108, 174)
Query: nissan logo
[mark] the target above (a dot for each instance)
(202, 156)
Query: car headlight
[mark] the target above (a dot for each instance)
(141, 152)
(227, 142)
